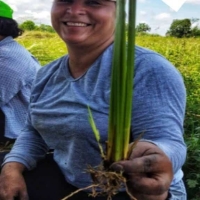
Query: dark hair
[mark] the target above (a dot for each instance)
(9, 27)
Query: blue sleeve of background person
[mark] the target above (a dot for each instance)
(30, 147)
(17, 64)
(160, 106)
(15, 112)
(18, 71)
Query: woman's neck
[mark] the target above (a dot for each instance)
(81, 58)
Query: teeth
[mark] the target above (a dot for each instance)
(75, 24)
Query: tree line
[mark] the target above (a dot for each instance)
(29, 25)
(179, 28)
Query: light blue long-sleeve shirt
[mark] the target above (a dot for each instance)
(58, 115)
(17, 71)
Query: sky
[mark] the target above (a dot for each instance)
(157, 14)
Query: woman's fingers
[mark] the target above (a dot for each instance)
(149, 170)
(143, 175)
(146, 164)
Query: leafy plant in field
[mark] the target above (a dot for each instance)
(192, 167)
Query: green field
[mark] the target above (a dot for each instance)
(183, 53)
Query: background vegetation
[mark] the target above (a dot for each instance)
(184, 53)
(179, 28)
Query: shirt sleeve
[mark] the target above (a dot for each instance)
(14, 76)
(159, 106)
(16, 112)
(28, 149)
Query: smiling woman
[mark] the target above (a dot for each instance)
(58, 115)
(89, 23)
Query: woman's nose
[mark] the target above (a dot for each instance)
(76, 8)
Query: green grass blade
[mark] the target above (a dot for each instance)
(121, 84)
(130, 73)
(117, 87)
(96, 132)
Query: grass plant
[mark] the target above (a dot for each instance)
(121, 84)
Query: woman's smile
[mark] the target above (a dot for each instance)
(76, 24)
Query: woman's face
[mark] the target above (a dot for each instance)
(84, 22)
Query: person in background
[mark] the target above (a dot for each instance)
(58, 116)
(18, 69)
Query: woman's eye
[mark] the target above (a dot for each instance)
(63, 1)
(87, 2)
(93, 2)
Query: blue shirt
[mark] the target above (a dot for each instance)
(58, 115)
(17, 71)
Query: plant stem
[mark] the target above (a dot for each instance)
(121, 83)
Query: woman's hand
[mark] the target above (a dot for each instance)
(148, 171)
(12, 183)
